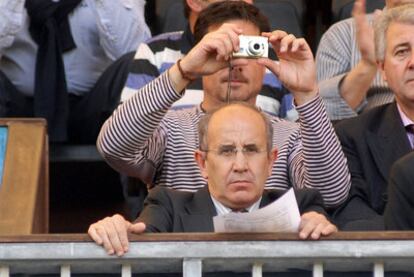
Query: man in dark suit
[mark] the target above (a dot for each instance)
(235, 156)
(373, 141)
(399, 212)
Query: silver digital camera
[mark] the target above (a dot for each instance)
(252, 47)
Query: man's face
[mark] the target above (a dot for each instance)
(394, 3)
(236, 179)
(398, 65)
(246, 81)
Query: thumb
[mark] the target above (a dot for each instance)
(273, 66)
(137, 228)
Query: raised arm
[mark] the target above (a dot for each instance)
(346, 64)
(316, 159)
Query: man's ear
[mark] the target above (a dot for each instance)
(196, 5)
(201, 160)
(272, 158)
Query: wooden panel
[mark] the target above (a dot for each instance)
(25, 187)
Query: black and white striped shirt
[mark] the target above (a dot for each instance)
(144, 139)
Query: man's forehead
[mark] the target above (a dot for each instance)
(236, 124)
(239, 22)
(399, 34)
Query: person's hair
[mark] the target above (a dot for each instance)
(220, 12)
(401, 14)
(204, 122)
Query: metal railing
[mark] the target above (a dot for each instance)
(193, 254)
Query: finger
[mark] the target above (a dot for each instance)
(299, 44)
(273, 66)
(316, 232)
(94, 235)
(137, 228)
(234, 38)
(121, 226)
(286, 42)
(359, 8)
(296, 44)
(329, 229)
(228, 44)
(306, 229)
(113, 235)
(221, 51)
(106, 243)
(275, 35)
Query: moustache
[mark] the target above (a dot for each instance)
(235, 76)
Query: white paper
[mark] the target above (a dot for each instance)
(280, 216)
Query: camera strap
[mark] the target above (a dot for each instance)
(229, 81)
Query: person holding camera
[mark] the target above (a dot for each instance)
(144, 139)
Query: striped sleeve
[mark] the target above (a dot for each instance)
(321, 163)
(132, 140)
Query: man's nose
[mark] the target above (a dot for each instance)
(240, 162)
(411, 62)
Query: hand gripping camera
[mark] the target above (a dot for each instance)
(252, 47)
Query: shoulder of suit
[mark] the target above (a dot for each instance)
(365, 118)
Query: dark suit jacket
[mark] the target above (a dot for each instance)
(167, 210)
(399, 212)
(372, 142)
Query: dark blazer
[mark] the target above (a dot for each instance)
(167, 210)
(399, 212)
(372, 142)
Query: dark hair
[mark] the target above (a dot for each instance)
(220, 12)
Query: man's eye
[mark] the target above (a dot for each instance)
(250, 150)
(401, 52)
(226, 152)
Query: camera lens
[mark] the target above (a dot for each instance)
(255, 48)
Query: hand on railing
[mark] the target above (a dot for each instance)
(112, 233)
(313, 225)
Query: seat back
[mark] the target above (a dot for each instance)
(170, 16)
(284, 15)
(342, 9)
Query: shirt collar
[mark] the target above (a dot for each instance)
(222, 210)
(404, 118)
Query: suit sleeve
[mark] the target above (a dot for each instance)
(157, 211)
(309, 200)
(399, 212)
(356, 213)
